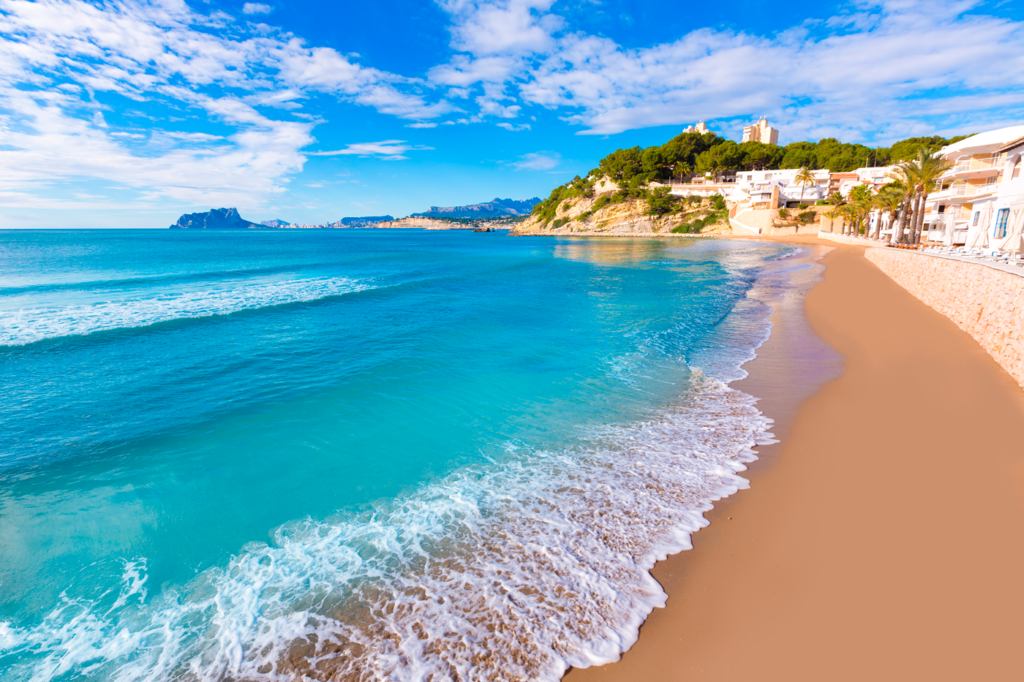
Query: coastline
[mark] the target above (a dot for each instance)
(866, 542)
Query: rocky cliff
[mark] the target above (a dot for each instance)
(607, 215)
(214, 219)
(490, 209)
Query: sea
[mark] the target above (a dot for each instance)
(359, 454)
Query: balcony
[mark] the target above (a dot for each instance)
(973, 168)
(964, 191)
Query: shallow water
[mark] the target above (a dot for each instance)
(366, 454)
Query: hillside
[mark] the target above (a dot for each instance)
(631, 200)
(659, 213)
(495, 208)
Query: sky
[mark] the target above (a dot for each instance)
(128, 114)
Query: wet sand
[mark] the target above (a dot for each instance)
(883, 538)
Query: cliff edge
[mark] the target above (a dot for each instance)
(620, 214)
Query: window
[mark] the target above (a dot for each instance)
(1001, 219)
(977, 214)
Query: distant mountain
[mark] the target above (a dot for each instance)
(276, 222)
(214, 219)
(491, 209)
(363, 221)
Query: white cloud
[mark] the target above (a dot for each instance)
(513, 127)
(889, 68)
(502, 26)
(163, 62)
(537, 161)
(389, 150)
(256, 8)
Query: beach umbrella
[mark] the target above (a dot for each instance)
(977, 234)
(950, 222)
(1015, 231)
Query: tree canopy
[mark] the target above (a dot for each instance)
(631, 169)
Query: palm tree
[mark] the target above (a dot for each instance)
(905, 175)
(849, 213)
(832, 214)
(889, 199)
(930, 167)
(682, 168)
(803, 178)
(859, 201)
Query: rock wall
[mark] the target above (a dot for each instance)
(842, 239)
(986, 303)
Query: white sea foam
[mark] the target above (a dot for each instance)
(515, 570)
(28, 325)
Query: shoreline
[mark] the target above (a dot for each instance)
(851, 552)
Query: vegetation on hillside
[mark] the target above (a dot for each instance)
(689, 153)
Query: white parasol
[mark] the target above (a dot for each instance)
(977, 234)
(950, 221)
(1015, 232)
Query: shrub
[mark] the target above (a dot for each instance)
(558, 223)
(718, 202)
(806, 217)
(660, 202)
(803, 206)
(783, 213)
(821, 202)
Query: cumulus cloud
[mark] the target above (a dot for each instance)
(256, 8)
(162, 61)
(389, 150)
(538, 161)
(885, 69)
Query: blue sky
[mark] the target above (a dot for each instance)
(128, 114)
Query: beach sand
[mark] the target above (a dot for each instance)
(883, 538)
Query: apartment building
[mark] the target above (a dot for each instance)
(761, 132)
(1003, 224)
(961, 209)
(775, 188)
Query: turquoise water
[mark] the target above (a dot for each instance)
(382, 454)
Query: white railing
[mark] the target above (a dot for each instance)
(966, 190)
(971, 165)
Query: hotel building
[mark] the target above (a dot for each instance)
(962, 209)
(761, 132)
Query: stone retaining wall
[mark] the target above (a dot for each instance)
(986, 303)
(843, 239)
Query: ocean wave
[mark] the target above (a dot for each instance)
(513, 570)
(28, 325)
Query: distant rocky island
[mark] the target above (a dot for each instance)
(496, 214)
(496, 208)
(214, 219)
(228, 219)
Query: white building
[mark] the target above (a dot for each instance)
(959, 212)
(761, 132)
(757, 188)
(1000, 220)
(701, 128)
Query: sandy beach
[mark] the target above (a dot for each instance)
(881, 539)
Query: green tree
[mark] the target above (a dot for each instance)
(930, 167)
(803, 178)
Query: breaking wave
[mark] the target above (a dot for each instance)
(512, 570)
(28, 325)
